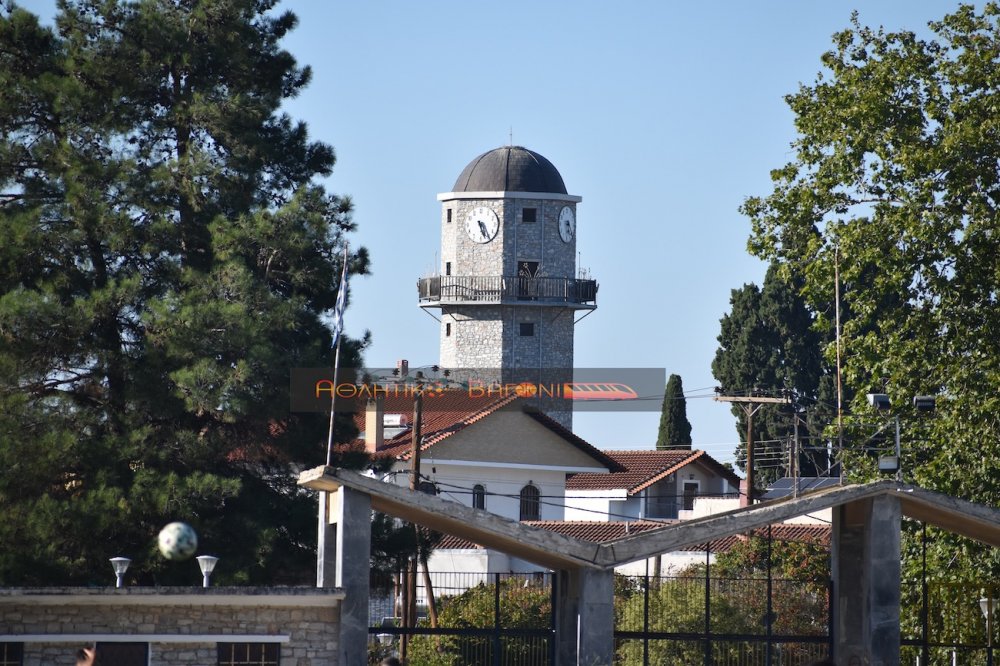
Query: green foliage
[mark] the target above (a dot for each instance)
(165, 259)
(895, 178)
(521, 607)
(738, 603)
(675, 429)
(768, 346)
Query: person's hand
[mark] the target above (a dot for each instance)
(85, 657)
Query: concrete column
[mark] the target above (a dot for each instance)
(351, 510)
(585, 617)
(866, 572)
(326, 544)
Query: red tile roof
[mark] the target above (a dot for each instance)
(818, 534)
(448, 412)
(589, 530)
(642, 469)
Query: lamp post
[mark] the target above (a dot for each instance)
(207, 564)
(120, 565)
(987, 605)
(881, 402)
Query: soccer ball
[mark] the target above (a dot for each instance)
(178, 541)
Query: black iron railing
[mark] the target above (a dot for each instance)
(501, 289)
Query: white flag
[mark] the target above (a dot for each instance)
(338, 309)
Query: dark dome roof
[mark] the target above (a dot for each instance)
(510, 169)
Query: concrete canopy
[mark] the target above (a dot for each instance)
(536, 545)
(557, 551)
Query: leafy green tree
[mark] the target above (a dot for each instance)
(768, 346)
(894, 181)
(165, 258)
(521, 607)
(675, 429)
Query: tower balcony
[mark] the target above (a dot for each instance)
(507, 290)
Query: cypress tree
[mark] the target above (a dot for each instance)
(675, 429)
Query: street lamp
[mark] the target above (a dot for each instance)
(120, 565)
(987, 605)
(207, 564)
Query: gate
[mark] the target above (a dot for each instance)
(500, 619)
(701, 617)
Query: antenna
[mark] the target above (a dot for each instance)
(511, 136)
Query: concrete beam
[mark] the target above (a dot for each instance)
(738, 521)
(536, 545)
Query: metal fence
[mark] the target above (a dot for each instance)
(719, 621)
(499, 619)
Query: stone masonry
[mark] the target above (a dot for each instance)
(181, 625)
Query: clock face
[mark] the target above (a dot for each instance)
(482, 224)
(567, 224)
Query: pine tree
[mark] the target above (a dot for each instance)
(675, 429)
(165, 259)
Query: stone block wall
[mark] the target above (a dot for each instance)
(180, 625)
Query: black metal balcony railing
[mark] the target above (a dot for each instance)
(501, 289)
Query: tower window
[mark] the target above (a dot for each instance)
(478, 497)
(530, 503)
(448, 215)
(447, 268)
(527, 329)
(528, 215)
(447, 329)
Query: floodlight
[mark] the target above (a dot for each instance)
(924, 403)
(879, 401)
(888, 464)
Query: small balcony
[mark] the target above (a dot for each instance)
(492, 289)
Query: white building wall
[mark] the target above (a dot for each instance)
(591, 504)
(503, 484)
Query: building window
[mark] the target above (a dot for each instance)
(530, 504)
(11, 654)
(447, 329)
(244, 654)
(527, 329)
(528, 216)
(447, 268)
(448, 215)
(123, 654)
(691, 489)
(478, 497)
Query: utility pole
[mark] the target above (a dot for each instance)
(750, 405)
(410, 596)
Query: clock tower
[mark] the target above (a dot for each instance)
(508, 287)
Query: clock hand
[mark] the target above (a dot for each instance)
(482, 229)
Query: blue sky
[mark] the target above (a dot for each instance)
(662, 115)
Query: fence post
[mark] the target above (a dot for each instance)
(553, 622)
(496, 619)
(708, 604)
(645, 618)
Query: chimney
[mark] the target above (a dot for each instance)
(374, 426)
(744, 495)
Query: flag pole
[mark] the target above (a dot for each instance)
(333, 405)
(325, 563)
(338, 328)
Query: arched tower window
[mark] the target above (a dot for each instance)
(478, 497)
(529, 503)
